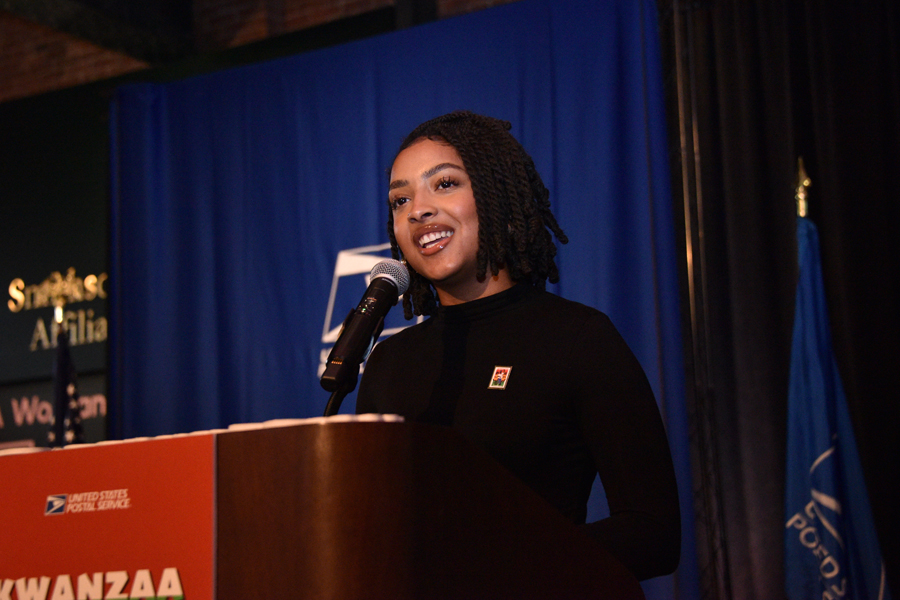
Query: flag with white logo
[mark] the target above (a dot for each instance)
(831, 548)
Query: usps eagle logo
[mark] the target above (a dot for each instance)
(56, 504)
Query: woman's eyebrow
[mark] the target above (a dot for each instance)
(440, 167)
(433, 170)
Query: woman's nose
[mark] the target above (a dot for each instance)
(422, 209)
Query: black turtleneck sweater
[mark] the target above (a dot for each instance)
(576, 403)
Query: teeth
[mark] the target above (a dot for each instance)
(429, 238)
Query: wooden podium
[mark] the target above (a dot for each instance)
(320, 509)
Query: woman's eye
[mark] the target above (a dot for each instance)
(446, 182)
(396, 203)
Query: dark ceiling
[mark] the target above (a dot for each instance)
(154, 31)
(151, 30)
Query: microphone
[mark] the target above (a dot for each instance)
(389, 281)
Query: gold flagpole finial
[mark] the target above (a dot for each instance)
(803, 182)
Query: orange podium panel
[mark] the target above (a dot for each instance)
(124, 520)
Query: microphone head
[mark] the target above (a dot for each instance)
(395, 271)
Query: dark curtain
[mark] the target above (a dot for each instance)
(753, 86)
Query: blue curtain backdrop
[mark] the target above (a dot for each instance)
(248, 204)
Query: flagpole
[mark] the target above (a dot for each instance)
(56, 436)
(67, 426)
(800, 194)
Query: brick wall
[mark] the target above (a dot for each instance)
(452, 8)
(35, 59)
(220, 24)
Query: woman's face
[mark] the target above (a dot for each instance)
(436, 223)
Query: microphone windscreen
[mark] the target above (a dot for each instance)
(394, 270)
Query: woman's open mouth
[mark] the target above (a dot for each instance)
(429, 240)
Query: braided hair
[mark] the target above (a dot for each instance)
(511, 201)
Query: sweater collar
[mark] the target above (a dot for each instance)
(485, 307)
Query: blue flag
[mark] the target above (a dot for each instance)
(831, 549)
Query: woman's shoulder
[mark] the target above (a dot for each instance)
(563, 310)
